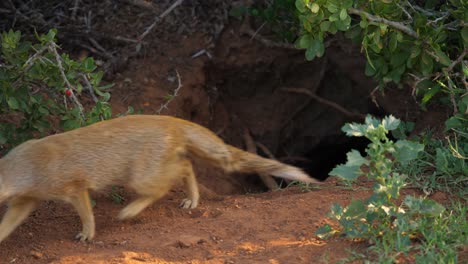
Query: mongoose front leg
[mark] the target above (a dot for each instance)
(82, 204)
(18, 209)
(191, 187)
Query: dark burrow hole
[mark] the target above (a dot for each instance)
(321, 160)
(251, 90)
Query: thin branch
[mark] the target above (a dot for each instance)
(406, 12)
(316, 84)
(89, 87)
(397, 25)
(29, 63)
(53, 49)
(265, 41)
(159, 18)
(75, 9)
(321, 100)
(250, 145)
(172, 96)
(265, 150)
(457, 61)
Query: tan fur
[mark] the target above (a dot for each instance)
(147, 153)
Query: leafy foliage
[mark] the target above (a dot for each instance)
(442, 165)
(422, 45)
(40, 86)
(392, 227)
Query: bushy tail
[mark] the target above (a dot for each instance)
(243, 161)
(204, 144)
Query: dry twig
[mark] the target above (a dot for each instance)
(250, 145)
(159, 18)
(316, 85)
(53, 48)
(89, 87)
(397, 25)
(265, 150)
(172, 96)
(321, 100)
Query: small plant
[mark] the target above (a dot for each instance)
(41, 88)
(116, 195)
(390, 226)
(443, 163)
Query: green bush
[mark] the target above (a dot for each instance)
(417, 226)
(41, 87)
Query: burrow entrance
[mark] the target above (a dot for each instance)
(288, 106)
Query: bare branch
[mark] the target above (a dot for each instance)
(457, 61)
(75, 9)
(172, 96)
(250, 145)
(321, 100)
(159, 18)
(89, 87)
(397, 25)
(53, 48)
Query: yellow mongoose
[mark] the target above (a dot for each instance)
(147, 153)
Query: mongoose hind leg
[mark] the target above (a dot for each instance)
(82, 204)
(191, 186)
(148, 196)
(18, 209)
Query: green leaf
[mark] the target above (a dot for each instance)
(356, 208)
(363, 24)
(441, 160)
(300, 5)
(427, 64)
(453, 122)
(429, 94)
(464, 34)
(88, 64)
(465, 69)
(423, 206)
(355, 158)
(332, 6)
(370, 70)
(315, 8)
(343, 14)
(345, 172)
(372, 122)
(51, 34)
(105, 97)
(325, 231)
(393, 41)
(316, 48)
(325, 25)
(390, 123)
(443, 58)
(71, 124)
(13, 103)
(406, 151)
(354, 130)
(105, 87)
(305, 41)
(399, 58)
(310, 54)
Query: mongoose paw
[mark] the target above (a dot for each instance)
(83, 237)
(188, 204)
